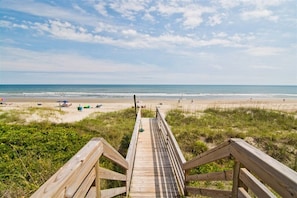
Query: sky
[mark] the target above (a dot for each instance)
(242, 42)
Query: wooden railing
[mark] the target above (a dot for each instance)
(175, 155)
(130, 158)
(254, 172)
(81, 175)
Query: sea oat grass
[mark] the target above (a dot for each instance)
(273, 132)
(30, 153)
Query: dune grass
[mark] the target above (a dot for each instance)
(30, 153)
(273, 132)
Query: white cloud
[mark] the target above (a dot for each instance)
(263, 3)
(105, 27)
(220, 34)
(5, 24)
(148, 17)
(258, 14)
(8, 24)
(129, 8)
(227, 4)
(264, 51)
(16, 59)
(265, 67)
(127, 37)
(191, 12)
(215, 20)
(52, 12)
(100, 7)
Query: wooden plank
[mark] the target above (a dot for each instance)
(112, 192)
(91, 193)
(174, 152)
(235, 186)
(111, 175)
(152, 189)
(178, 151)
(278, 176)
(242, 193)
(215, 176)
(89, 154)
(208, 192)
(130, 158)
(80, 174)
(153, 194)
(219, 152)
(86, 184)
(97, 180)
(114, 155)
(151, 179)
(152, 173)
(259, 189)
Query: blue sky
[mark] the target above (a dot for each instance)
(148, 42)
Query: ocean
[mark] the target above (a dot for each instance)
(199, 92)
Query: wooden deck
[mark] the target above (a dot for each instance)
(152, 174)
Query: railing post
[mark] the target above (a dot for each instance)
(186, 182)
(97, 180)
(236, 181)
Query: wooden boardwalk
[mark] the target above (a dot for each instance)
(152, 174)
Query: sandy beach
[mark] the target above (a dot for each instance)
(71, 113)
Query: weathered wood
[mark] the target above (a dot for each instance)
(219, 152)
(86, 184)
(175, 154)
(97, 180)
(208, 192)
(178, 151)
(152, 172)
(259, 189)
(278, 176)
(242, 193)
(80, 174)
(216, 176)
(55, 186)
(114, 155)
(111, 175)
(130, 157)
(236, 170)
(112, 192)
(92, 193)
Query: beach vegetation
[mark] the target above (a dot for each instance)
(273, 132)
(31, 153)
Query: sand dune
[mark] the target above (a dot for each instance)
(71, 113)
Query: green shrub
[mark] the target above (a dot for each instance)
(273, 132)
(31, 153)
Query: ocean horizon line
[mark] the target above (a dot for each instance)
(140, 84)
(149, 91)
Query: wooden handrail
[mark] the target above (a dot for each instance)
(77, 176)
(253, 170)
(176, 157)
(130, 157)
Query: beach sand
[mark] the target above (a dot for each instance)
(71, 113)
